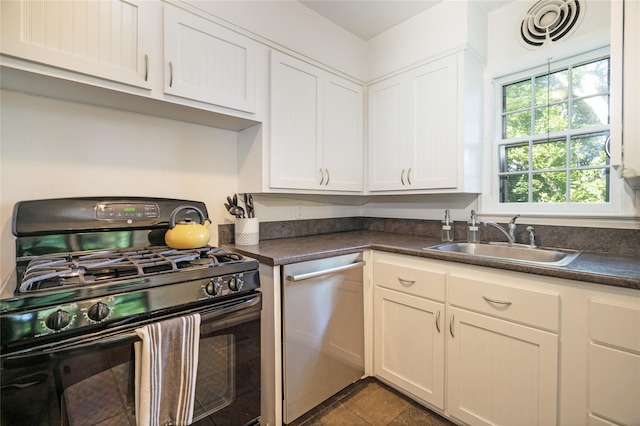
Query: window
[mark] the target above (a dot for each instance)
(563, 117)
(552, 132)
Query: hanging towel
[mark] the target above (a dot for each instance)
(166, 362)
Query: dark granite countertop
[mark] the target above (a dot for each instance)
(620, 271)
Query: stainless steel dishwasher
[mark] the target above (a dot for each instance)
(323, 330)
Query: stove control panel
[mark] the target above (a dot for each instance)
(126, 211)
(111, 309)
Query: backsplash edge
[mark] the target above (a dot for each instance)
(626, 242)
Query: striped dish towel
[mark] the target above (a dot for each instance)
(166, 362)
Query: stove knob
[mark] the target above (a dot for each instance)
(213, 288)
(235, 284)
(58, 320)
(98, 312)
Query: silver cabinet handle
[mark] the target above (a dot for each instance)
(146, 67)
(409, 176)
(328, 177)
(607, 147)
(316, 274)
(170, 74)
(499, 302)
(402, 177)
(438, 321)
(451, 325)
(321, 177)
(406, 283)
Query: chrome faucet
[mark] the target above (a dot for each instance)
(511, 235)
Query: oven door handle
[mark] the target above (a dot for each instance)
(117, 337)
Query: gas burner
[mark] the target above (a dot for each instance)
(108, 266)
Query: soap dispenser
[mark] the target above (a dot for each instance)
(472, 228)
(447, 227)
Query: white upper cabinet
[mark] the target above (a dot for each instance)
(316, 128)
(342, 142)
(206, 62)
(625, 106)
(106, 39)
(419, 135)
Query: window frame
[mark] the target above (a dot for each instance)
(615, 206)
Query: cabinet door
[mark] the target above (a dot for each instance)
(296, 133)
(432, 161)
(413, 129)
(206, 62)
(625, 90)
(105, 39)
(342, 136)
(409, 344)
(500, 373)
(387, 138)
(614, 362)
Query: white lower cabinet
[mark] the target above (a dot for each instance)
(499, 372)
(409, 326)
(502, 365)
(614, 363)
(485, 346)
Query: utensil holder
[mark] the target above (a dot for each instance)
(247, 231)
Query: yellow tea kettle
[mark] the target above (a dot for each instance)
(187, 234)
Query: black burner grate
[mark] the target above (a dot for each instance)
(49, 272)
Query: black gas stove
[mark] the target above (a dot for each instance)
(86, 264)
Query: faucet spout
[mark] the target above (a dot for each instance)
(510, 238)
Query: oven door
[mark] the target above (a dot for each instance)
(91, 381)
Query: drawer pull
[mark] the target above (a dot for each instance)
(438, 321)
(451, 325)
(499, 302)
(406, 283)
(170, 74)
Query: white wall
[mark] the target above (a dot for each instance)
(53, 148)
(505, 55)
(449, 25)
(290, 24)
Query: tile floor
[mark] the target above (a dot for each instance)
(370, 402)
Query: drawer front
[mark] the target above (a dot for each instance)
(615, 325)
(521, 305)
(409, 275)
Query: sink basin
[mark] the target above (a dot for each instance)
(515, 253)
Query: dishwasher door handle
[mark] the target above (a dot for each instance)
(316, 274)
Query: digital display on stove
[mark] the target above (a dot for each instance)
(122, 211)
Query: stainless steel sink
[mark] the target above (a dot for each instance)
(515, 253)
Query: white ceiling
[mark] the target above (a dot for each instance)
(368, 18)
